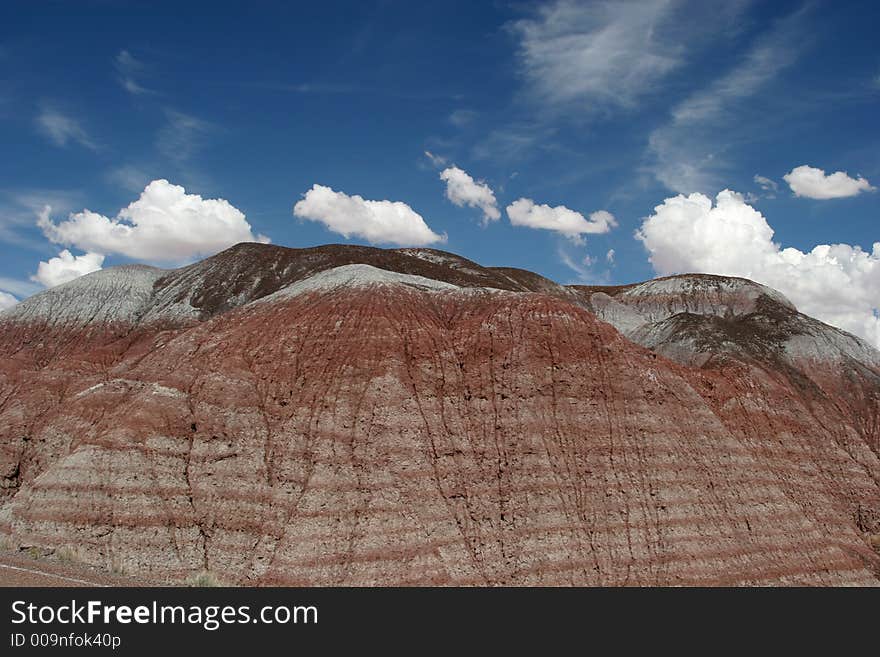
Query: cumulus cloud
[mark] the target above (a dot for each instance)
(561, 219)
(7, 300)
(813, 183)
(837, 283)
(66, 267)
(378, 222)
(463, 190)
(62, 129)
(164, 224)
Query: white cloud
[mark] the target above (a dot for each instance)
(437, 160)
(581, 268)
(813, 183)
(513, 143)
(761, 64)
(17, 211)
(837, 283)
(561, 219)
(599, 55)
(182, 135)
(766, 184)
(132, 87)
(691, 150)
(462, 117)
(463, 190)
(62, 129)
(67, 267)
(128, 67)
(18, 287)
(7, 301)
(378, 222)
(609, 257)
(586, 267)
(164, 224)
(129, 177)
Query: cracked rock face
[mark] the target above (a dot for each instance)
(355, 416)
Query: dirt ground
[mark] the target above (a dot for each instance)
(20, 570)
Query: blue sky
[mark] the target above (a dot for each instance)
(577, 107)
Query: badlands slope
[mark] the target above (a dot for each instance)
(354, 416)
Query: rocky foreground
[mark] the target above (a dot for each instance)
(355, 416)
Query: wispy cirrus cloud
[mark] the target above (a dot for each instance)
(767, 185)
(687, 153)
(514, 141)
(128, 69)
(324, 88)
(462, 117)
(311, 88)
(581, 62)
(62, 129)
(182, 136)
(760, 65)
(132, 178)
(436, 160)
(588, 269)
(597, 55)
(19, 208)
(19, 287)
